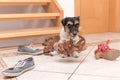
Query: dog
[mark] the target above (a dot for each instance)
(70, 28)
(70, 31)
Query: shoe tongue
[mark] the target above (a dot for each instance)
(30, 47)
(29, 59)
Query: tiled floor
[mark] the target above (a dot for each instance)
(86, 67)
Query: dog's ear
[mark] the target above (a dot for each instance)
(63, 21)
(78, 18)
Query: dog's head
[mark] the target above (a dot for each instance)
(71, 25)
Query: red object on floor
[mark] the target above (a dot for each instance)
(103, 47)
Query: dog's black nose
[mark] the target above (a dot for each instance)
(75, 33)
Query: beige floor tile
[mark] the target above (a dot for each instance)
(58, 64)
(115, 45)
(36, 75)
(48, 63)
(1, 67)
(93, 38)
(101, 67)
(8, 51)
(89, 77)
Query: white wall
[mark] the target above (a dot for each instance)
(68, 7)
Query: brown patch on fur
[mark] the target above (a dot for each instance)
(67, 25)
(81, 45)
(64, 48)
(67, 29)
(49, 42)
(76, 22)
(67, 48)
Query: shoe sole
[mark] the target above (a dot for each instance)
(37, 53)
(17, 74)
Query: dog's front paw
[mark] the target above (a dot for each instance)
(63, 55)
(53, 53)
(75, 54)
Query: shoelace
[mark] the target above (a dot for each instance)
(31, 47)
(103, 47)
(20, 64)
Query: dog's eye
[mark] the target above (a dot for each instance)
(77, 24)
(68, 24)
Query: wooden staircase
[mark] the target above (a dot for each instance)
(52, 11)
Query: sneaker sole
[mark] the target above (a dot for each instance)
(17, 74)
(28, 53)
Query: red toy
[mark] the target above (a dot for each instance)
(103, 51)
(103, 47)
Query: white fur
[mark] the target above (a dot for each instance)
(75, 54)
(64, 36)
(53, 53)
(76, 39)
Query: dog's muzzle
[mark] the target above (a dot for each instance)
(75, 33)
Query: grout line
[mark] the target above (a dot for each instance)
(97, 75)
(3, 66)
(1, 70)
(53, 72)
(79, 64)
(3, 63)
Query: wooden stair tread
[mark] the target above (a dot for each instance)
(23, 2)
(29, 32)
(52, 11)
(28, 16)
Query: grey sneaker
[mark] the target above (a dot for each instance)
(21, 67)
(29, 50)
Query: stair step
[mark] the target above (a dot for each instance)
(29, 32)
(24, 2)
(28, 16)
